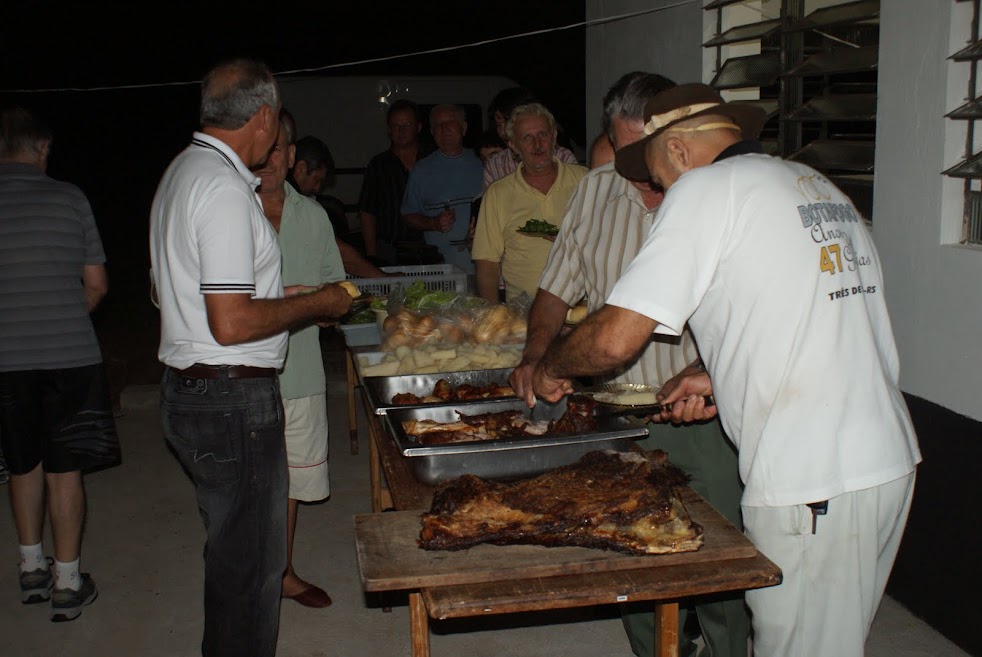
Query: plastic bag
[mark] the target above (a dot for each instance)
(450, 318)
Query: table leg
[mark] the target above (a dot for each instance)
(374, 473)
(667, 629)
(419, 625)
(352, 416)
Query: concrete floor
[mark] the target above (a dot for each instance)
(143, 546)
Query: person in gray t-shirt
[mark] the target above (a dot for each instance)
(55, 412)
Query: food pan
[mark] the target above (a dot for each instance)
(381, 389)
(504, 458)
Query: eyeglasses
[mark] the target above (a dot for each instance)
(402, 126)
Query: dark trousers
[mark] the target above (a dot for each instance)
(228, 435)
(704, 452)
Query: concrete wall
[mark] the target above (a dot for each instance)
(664, 41)
(933, 285)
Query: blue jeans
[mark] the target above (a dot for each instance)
(228, 435)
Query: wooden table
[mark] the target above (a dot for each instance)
(490, 579)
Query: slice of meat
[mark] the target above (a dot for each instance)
(453, 437)
(465, 391)
(420, 427)
(443, 390)
(404, 398)
(608, 500)
(494, 391)
(579, 416)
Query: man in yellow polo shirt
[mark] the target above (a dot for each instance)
(538, 189)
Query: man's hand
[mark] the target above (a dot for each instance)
(335, 299)
(445, 220)
(548, 388)
(520, 380)
(683, 397)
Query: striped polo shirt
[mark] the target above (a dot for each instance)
(47, 236)
(208, 235)
(606, 224)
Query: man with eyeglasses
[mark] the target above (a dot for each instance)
(384, 185)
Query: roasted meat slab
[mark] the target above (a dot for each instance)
(608, 500)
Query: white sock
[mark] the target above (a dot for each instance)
(66, 575)
(32, 558)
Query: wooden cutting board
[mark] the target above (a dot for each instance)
(389, 558)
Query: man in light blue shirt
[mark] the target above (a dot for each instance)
(441, 187)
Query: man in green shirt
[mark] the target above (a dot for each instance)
(310, 258)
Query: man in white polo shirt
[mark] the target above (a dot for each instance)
(224, 325)
(778, 278)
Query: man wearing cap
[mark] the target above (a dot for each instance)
(776, 274)
(604, 227)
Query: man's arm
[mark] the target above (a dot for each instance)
(488, 275)
(546, 318)
(421, 221)
(95, 283)
(238, 318)
(356, 264)
(606, 339)
(369, 232)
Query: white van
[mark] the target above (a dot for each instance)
(348, 114)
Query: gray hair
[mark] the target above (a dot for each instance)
(457, 110)
(536, 109)
(234, 91)
(289, 124)
(22, 133)
(627, 97)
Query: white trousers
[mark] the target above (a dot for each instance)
(833, 579)
(306, 447)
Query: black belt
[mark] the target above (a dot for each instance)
(201, 371)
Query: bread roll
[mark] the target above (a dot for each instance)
(351, 289)
(576, 314)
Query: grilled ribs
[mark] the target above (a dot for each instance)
(608, 500)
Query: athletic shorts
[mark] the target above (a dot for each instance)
(306, 447)
(61, 419)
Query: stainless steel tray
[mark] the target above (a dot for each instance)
(381, 389)
(504, 458)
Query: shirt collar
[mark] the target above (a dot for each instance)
(740, 148)
(207, 141)
(292, 195)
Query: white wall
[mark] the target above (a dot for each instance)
(667, 42)
(933, 285)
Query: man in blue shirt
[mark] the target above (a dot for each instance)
(441, 187)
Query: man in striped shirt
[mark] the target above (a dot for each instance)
(605, 225)
(55, 411)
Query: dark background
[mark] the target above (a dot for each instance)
(121, 93)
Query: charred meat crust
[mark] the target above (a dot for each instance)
(603, 501)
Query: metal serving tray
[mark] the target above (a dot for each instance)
(381, 389)
(505, 458)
